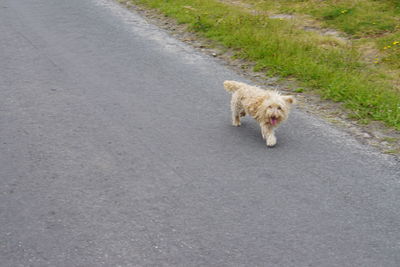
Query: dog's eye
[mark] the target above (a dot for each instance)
(269, 106)
(279, 108)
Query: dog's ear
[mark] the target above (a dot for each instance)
(289, 99)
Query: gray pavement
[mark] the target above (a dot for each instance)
(116, 150)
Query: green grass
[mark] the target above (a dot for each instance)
(376, 21)
(389, 45)
(356, 17)
(280, 48)
(392, 151)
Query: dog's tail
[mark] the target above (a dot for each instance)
(232, 86)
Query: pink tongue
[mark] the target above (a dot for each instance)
(274, 121)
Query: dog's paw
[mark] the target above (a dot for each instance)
(271, 140)
(236, 122)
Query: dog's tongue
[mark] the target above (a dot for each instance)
(274, 121)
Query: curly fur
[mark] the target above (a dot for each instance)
(269, 108)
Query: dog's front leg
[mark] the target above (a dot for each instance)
(271, 139)
(264, 131)
(268, 134)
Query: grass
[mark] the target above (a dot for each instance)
(376, 21)
(389, 45)
(356, 17)
(332, 68)
(392, 151)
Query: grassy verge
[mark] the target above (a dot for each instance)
(358, 18)
(323, 63)
(365, 20)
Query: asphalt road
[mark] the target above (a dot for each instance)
(117, 150)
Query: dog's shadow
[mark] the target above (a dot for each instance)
(249, 134)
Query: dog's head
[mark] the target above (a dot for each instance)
(275, 108)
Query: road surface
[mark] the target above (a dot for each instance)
(117, 150)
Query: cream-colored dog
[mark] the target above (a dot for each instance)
(268, 108)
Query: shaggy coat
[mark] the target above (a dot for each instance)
(269, 108)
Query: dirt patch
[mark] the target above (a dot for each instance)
(375, 134)
(238, 3)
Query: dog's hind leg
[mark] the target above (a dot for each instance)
(237, 110)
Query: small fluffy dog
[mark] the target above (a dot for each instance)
(268, 108)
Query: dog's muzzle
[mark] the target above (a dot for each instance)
(273, 120)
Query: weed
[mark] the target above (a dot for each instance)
(299, 90)
(392, 151)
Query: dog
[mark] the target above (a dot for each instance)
(269, 108)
